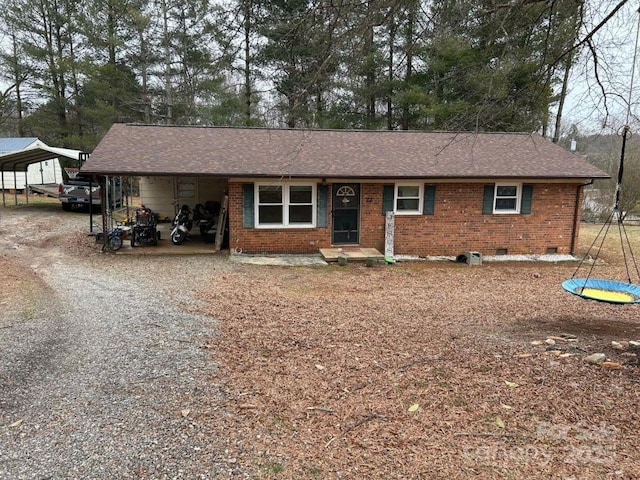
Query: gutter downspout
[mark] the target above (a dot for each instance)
(576, 219)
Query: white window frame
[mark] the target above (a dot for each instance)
(286, 188)
(420, 198)
(517, 197)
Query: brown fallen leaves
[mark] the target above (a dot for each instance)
(422, 370)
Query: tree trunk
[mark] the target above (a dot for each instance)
(409, 54)
(392, 35)
(370, 77)
(167, 63)
(247, 61)
(18, 83)
(563, 96)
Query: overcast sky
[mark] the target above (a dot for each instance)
(615, 54)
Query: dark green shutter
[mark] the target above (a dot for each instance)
(487, 204)
(248, 215)
(388, 193)
(527, 198)
(323, 194)
(429, 200)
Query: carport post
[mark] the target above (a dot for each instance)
(26, 188)
(82, 157)
(103, 182)
(91, 205)
(4, 201)
(15, 188)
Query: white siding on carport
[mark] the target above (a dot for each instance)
(157, 194)
(160, 194)
(45, 172)
(39, 173)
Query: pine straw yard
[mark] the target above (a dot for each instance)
(425, 370)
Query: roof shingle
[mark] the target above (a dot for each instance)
(262, 152)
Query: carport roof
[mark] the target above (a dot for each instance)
(261, 152)
(12, 144)
(19, 153)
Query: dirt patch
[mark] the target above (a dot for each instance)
(423, 370)
(600, 326)
(22, 292)
(74, 243)
(32, 235)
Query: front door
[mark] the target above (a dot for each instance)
(346, 213)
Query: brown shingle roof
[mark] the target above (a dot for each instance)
(261, 152)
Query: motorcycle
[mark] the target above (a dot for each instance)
(182, 225)
(206, 218)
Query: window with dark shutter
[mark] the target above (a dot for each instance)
(248, 218)
(388, 192)
(429, 200)
(527, 199)
(323, 195)
(507, 198)
(284, 205)
(487, 204)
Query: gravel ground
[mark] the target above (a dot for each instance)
(102, 374)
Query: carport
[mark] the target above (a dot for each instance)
(38, 151)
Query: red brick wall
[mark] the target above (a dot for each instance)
(457, 225)
(268, 240)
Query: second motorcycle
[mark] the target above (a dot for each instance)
(182, 225)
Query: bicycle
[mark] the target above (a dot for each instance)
(114, 239)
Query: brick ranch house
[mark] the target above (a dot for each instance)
(296, 191)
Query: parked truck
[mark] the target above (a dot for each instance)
(83, 190)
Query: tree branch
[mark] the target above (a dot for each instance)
(598, 81)
(587, 39)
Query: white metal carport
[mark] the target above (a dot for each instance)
(37, 151)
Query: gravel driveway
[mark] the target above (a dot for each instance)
(102, 374)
